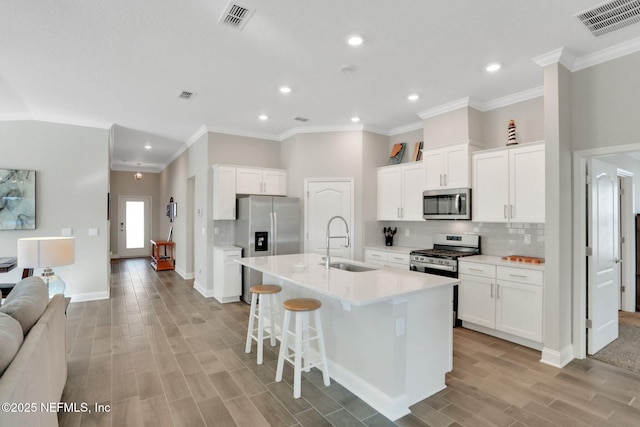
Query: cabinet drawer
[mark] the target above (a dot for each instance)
(475, 269)
(398, 258)
(374, 255)
(521, 275)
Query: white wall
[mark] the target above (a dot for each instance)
(528, 116)
(72, 182)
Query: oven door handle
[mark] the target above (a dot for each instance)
(433, 267)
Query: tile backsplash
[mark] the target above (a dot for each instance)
(496, 238)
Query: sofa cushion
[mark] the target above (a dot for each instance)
(10, 340)
(26, 302)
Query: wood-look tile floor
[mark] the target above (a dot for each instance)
(160, 354)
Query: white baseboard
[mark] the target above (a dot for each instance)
(89, 296)
(184, 275)
(224, 300)
(392, 408)
(555, 358)
(202, 290)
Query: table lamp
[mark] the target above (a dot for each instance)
(47, 252)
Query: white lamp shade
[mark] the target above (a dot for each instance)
(40, 252)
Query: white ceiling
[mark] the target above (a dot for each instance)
(123, 62)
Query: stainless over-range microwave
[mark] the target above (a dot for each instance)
(452, 203)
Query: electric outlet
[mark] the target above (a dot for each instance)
(399, 327)
(527, 239)
(406, 232)
(216, 230)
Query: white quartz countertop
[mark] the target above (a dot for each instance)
(496, 260)
(358, 288)
(401, 249)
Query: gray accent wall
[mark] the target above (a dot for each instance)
(72, 182)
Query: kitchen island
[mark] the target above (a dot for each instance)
(388, 332)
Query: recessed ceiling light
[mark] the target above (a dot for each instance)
(354, 40)
(413, 97)
(263, 117)
(285, 89)
(492, 68)
(355, 119)
(148, 147)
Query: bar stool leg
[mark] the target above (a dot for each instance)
(252, 312)
(297, 369)
(323, 354)
(283, 345)
(272, 318)
(261, 310)
(305, 339)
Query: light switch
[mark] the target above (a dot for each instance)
(93, 232)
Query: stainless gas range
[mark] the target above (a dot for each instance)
(442, 260)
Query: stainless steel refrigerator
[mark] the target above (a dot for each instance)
(266, 225)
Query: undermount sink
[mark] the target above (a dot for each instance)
(350, 267)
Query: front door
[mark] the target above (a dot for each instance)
(134, 225)
(326, 199)
(603, 273)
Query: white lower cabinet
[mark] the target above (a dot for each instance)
(387, 258)
(227, 274)
(501, 298)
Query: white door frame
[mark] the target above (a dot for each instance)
(307, 181)
(580, 159)
(628, 252)
(148, 220)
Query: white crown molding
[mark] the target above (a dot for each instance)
(125, 167)
(406, 128)
(505, 101)
(549, 57)
(238, 132)
(379, 131)
(46, 119)
(445, 108)
(319, 129)
(196, 136)
(16, 117)
(604, 55)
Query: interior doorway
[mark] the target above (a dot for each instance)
(621, 257)
(134, 226)
(191, 224)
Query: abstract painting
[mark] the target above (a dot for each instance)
(17, 199)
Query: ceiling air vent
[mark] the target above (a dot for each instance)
(301, 119)
(186, 95)
(611, 16)
(235, 15)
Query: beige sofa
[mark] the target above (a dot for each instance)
(32, 384)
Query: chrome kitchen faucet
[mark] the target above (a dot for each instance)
(329, 237)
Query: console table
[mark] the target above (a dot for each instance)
(160, 259)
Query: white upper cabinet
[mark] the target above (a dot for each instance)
(224, 192)
(508, 184)
(229, 181)
(271, 182)
(447, 167)
(400, 192)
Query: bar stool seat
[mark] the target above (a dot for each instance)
(263, 304)
(303, 335)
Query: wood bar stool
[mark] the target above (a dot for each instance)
(302, 307)
(263, 296)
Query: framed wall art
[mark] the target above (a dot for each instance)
(17, 199)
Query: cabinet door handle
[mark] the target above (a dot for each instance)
(398, 213)
(511, 215)
(491, 295)
(497, 291)
(505, 211)
(401, 212)
(521, 276)
(445, 179)
(440, 180)
(476, 269)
